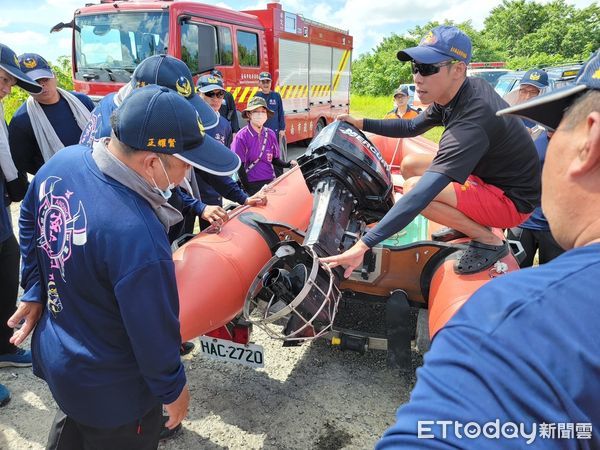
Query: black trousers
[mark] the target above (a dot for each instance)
(9, 289)
(534, 240)
(66, 434)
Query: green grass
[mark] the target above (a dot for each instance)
(377, 107)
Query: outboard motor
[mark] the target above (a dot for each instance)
(351, 185)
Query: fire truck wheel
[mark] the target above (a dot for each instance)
(318, 128)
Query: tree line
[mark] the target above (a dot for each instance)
(522, 33)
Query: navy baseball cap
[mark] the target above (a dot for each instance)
(536, 77)
(157, 119)
(209, 83)
(548, 109)
(10, 63)
(264, 76)
(440, 44)
(35, 66)
(173, 73)
(402, 90)
(217, 73)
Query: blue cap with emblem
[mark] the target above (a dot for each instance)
(264, 76)
(157, 119)
(209, 83)
(548, 109)
(35, 66)
(441, 44)
(536, 77)
(10, 63)
(173, 73)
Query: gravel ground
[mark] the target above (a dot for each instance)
(308, 397)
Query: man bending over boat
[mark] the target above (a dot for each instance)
(519, 365)
(486, 172)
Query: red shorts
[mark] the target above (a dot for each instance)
(486, 204)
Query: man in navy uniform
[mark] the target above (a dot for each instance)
(48, 121)
(97, 268)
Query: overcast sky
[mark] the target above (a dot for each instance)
(25, 24)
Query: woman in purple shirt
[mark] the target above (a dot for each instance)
(257, 147)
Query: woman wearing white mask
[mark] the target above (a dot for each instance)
(258, 148)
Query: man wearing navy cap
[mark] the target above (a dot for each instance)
(519, 365)
(97, 266)
(211, 90)
(534, 234)
(48, 121)
(228, 108)
(13, 185)
(402, 110)
(486, 172)
(533, 83)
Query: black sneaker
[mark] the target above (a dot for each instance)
(186, 347)
(165, 433)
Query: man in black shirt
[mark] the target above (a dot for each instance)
(486, 172)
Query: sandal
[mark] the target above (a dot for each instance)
(479, 256)
(446, 234)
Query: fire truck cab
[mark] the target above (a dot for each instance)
(309, 61)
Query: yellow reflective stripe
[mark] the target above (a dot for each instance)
(283, 91)
(338, 73)
(253, 91)
(235, 93)
(244, 94)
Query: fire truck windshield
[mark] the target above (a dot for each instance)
(108, 47)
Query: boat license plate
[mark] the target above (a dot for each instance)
(251, 355)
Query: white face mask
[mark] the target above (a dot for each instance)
(166, 194)
(258, 118)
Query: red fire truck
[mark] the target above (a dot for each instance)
(309, 61)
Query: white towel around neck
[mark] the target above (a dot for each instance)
(45, 135)
(6, 162)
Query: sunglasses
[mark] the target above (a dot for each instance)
(218, 94)
(429, 69)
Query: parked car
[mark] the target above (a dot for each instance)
(489, 75)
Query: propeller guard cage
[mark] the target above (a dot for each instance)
(311, 312)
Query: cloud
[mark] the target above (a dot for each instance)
(21, 40)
